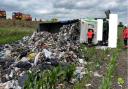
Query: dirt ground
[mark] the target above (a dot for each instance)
(121, 70)
(96, 81)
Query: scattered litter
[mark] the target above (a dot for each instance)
(87, 85)
(47, 53)
(102, 47)
(37, 58)
(44, 50)
(96, 74)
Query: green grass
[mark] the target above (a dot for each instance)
(12, 34)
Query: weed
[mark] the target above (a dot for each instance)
(48, 79)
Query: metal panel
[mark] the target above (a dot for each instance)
(113, 26)
(99, 29)
(83, 31)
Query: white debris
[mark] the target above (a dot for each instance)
(24, 59)
(16, 69)
(61, 54)
(7, 52)
(87, 85)
(80, 72)
(47, 53)
(102, 47)
(11, 74)
(6, 76)
(81, 61)
(73, 81)
(96, 74)
(13, 84)
(37, 58)
(108, 55)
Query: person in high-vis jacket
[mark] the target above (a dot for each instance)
(125, 36)
(90, 35)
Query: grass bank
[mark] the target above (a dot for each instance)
(11, 34)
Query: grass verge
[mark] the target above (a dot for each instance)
(12, 34)
(107, 79)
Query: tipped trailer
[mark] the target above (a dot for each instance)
(105, 31)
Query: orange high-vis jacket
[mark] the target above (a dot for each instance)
(125, 33)
(90, 35)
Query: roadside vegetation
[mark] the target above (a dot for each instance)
(12, 34)
(107, 79)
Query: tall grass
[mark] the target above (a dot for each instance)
(9, 35)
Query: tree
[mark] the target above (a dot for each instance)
(120, 24)
(54, 19)
(40, 20)
(107, 12)
(35, 19)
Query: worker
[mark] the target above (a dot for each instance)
(90, 35)
(125, 36)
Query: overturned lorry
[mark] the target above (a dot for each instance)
(105, 30)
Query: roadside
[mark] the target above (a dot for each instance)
(12, 34)
(121, 72)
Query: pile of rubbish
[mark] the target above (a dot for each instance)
(42, 50)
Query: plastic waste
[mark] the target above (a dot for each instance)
(44, 50)
(47, 53)
(96, 74)
(7, 52)
(24, 59)
(25, 65)
(31, 56)
(37, 58)
(80, 72)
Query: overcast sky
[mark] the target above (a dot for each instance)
(67, 9)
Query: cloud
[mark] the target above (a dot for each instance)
(67, 9)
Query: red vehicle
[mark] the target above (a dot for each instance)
(2, 14)
(17, 15)
(26, 17)
(21, 16)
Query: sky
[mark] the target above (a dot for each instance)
(67, 9)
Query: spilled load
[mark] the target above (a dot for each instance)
(41, 51)
(21, 16)
(105, 30)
